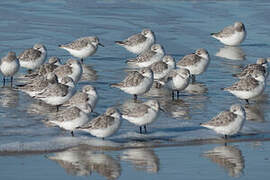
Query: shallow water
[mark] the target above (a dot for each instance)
(180, 26)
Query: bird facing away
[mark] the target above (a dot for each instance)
(136, 82)
(142, 114)
(9, 66)
(232, 35)
(138, 43)
(196, 63)
(82, 47)
(227, 123)
(162, 68)
(104, 125)
(33, 58)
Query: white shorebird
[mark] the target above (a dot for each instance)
(142, 114)
(57, 94)
(147, 58)
(69, 119)
(177, 80)
(9, 66)
(249, 87)
(38, 84)
(72, 68)
(231, 35)
(34, 57)
(85, 100)
(82, 47)
(137, 82)
(162, 68)
(261, 65)
(227, 123)
(104, 125)
(138, 43)
(196, 63)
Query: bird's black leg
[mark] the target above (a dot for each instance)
(193, 78)
(57, 108)
(145, 131)
(140, 130)
(247, 101)
(172, 95)
(177, 94)
(11, 81)
(226, 136)
(4, 81)
(135, 97)
(29, 71)
(72, 134)
(82, 60)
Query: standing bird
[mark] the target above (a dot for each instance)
(196, 63)
(104, 125)
(142, 114)
(137, 82)
(33, 58)
(9, 66)
(138, 43)
(231, 35)
(227, 123)
(82, 47)
(149, 57)
(177, 80)
(261, 65)
(249, 87)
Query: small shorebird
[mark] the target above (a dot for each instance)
(69, 119)
(33, 58)
(196, 63)
(9, 66)
(142, 114)
(82, 47)
(104, 125)
(162, 68)
(138, 43)
(227, 123)
(231, 35)
(249, 87)
(137, 82)
(147, 58)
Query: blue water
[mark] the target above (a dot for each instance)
(180, 26)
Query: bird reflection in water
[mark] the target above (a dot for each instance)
(228, 157)
(232, 53)
(175, 108)
(254, 112)
(196, 88)
(80, 161)
(9, 97)
(88, 74)
(143, 159)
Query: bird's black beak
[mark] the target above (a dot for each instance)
(101, 44)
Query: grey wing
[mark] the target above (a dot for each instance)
(29, 54)
(134, 40)
(222, 119)
(189, 60)
(133, 79)
(62, 71)
(77, 44)
(145, 56)
(245, 84)
(227, 31)
(136, 111)
(102, 121)
(159, 67)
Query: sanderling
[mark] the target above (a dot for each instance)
(72, 68)
(34, 57)
(38, 84)
(249, 87)
(147, 58)
(137, 82)
(9, 66)
(228, 157)
(57, 94)
(227, 123)
(142, 114)
(104, 125)
(162, 68)
(177, 80)
(231, 35)
(69, 119)
(196, 63)
(261, 65)
(82, 47)
(85, 100)
(138, 43)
